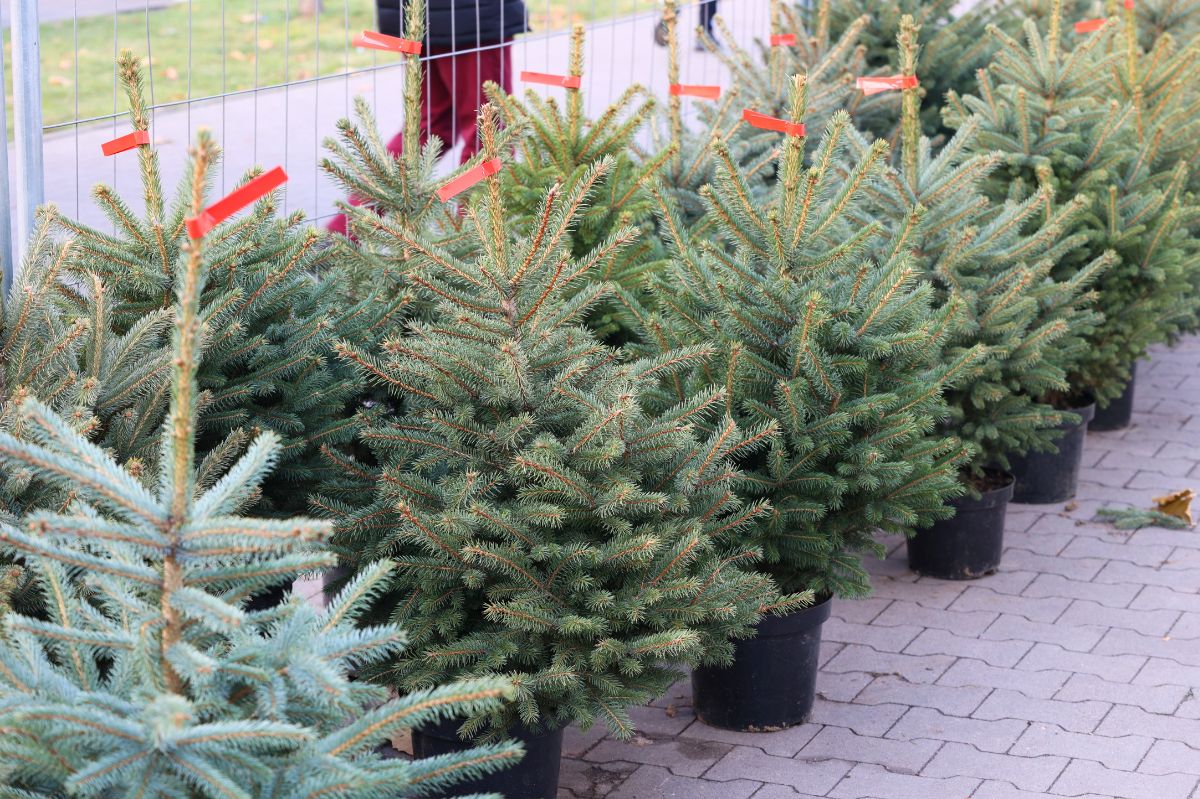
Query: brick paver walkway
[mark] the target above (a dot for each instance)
(1074, 671)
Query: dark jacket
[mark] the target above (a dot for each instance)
(458, 24)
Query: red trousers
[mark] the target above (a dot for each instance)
(451, 96)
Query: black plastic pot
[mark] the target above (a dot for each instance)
(534, 777)
(969, 544)
(773, 680)
(1119, 412)
(1046, 477)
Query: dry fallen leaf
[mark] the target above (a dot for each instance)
(58, 80)
(170, 73)
(671, 712)
(237, 55)
(265, 44)
(1070, 506)
(1177, 504)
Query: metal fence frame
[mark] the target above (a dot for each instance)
(30, 130)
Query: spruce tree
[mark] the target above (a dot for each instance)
(546, 525)
(954, 44)
(763, 76)
(991, 264)
(834, 352)
(268, 361)
(559, 147)
(148, 676)
(692, 148)
(1043, 108)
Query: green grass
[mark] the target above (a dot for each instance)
(244, 44)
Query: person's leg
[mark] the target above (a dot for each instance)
(474, 69)
(708, 10)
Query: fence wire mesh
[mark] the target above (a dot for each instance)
(271, 78)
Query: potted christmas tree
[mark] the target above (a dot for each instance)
(1054, 124)
(547, 527)
(148, 673)
(832, 351)
(992, 263)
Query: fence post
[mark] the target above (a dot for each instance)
(6, 250)
(27, 125)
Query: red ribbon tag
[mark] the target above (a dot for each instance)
(1129, 4)
(783, 39)
(567, 81)
(469, 178)
(773, 123)
(126, 142)
(235, 201)
(877, 84)
(381, 41)
(707, 92)
(1089, 25)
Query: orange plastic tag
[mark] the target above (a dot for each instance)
(1090, 25)
(568, 81)
(381, 41)
(783, 39)
(126, 142)
(887, 83)
(469, 178)
(706, 92)
(773, 123)
(235, 201)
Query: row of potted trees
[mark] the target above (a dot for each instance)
(644, 398)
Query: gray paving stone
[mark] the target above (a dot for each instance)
(1027, 773)
(656, 782)
(1142, 554)
(656, 722)
(962, 622)
(1118, 668)
(1020, 520)
(980, 598)
(929, 595)
(1160, 462)
(1188, 627)
(592, 780)
(1109, 595)
(1031, 683)
(906, 757)
(988, 736)
(1167, 672)
(1183, 558)
(815, 776)
(841, 686)
(1126, 720)
(1083, 776)
(859, 611)
(1082, 716)
(1153, 622)
(1009, 579)
(829, 650)
(867, 720)
(1124, 752)
(914, 668)
(784, 743)
(1127, 642)
(1154, 597)
(687, 757)
(951, 700)
(995, 653)
(1156, 698)
(1078, 568)
(1171, 757)
(990, 789)
(781, 792)
(1040, 543)
(1119, 572)
(883, 639)
(1158, 536)
(576, 741)
(879, 783)
(1077, 638)
(1109, 477)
